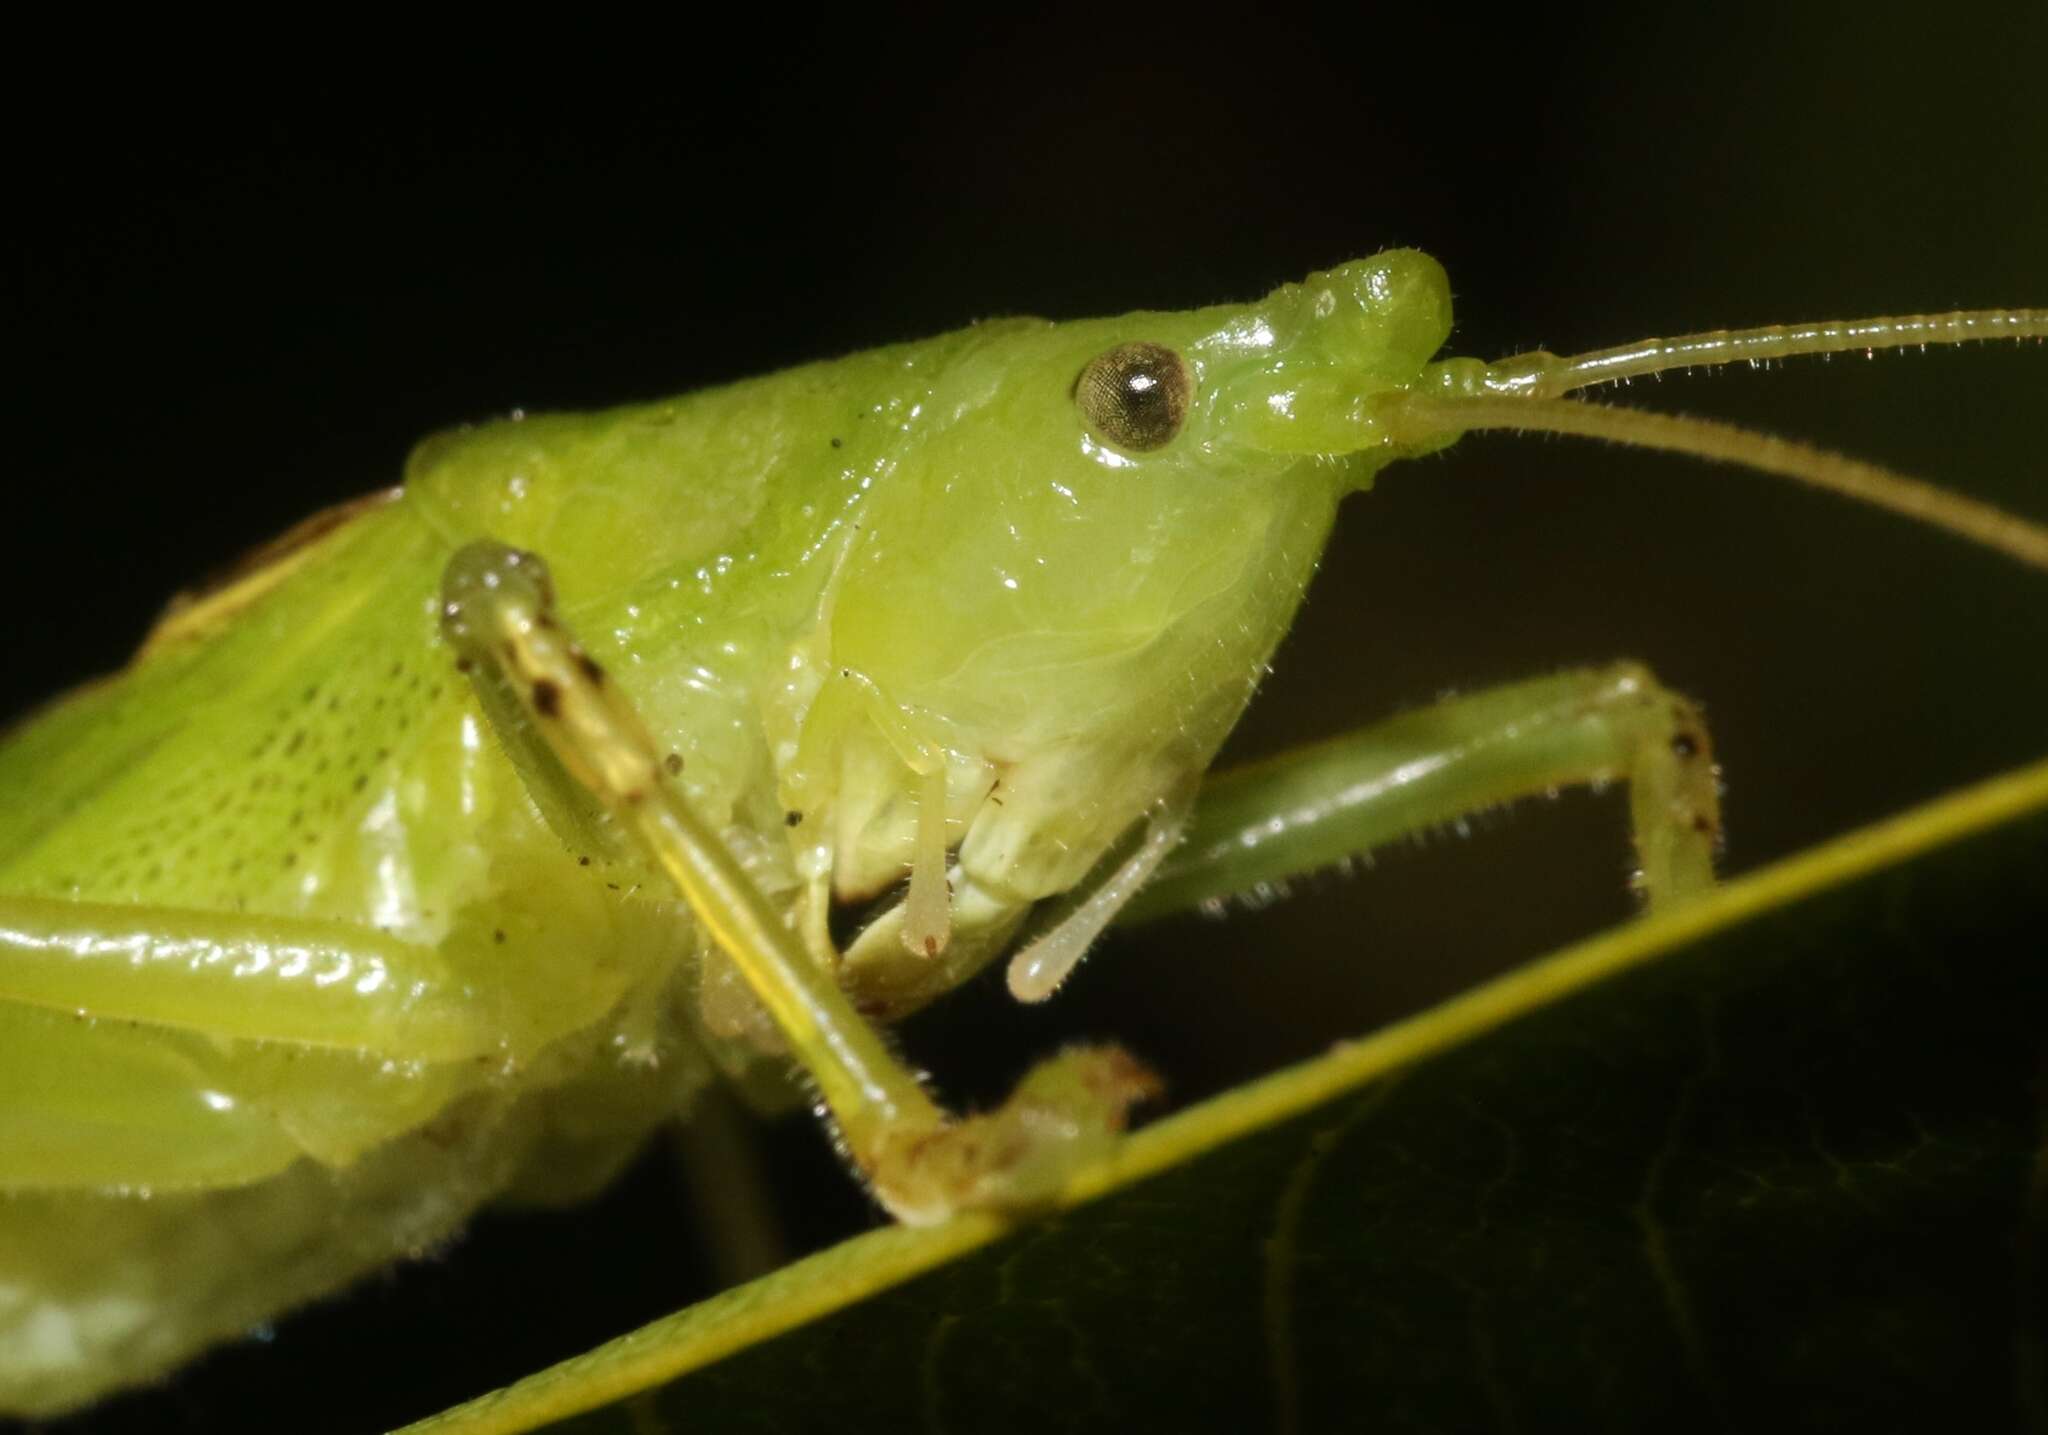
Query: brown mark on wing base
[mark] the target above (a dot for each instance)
(201, 611)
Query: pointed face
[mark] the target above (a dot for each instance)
(1094, 537)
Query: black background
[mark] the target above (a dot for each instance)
(242, 299)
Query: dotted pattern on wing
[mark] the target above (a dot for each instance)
(279, 766)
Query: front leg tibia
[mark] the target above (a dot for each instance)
(1674, 782)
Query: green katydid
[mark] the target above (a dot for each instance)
(446, 850)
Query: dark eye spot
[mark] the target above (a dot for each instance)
(1136, 395)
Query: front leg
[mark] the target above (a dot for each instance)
(1318, 805)
(581, 746)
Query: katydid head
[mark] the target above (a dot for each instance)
(1092, 538)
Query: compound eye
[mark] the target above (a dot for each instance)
(1136, 395)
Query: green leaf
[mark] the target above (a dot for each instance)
(1777, 1160)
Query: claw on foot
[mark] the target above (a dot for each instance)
(1064, 1115)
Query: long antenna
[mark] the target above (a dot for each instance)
(1523, 393)
(1416, 417)
(1545, 375)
